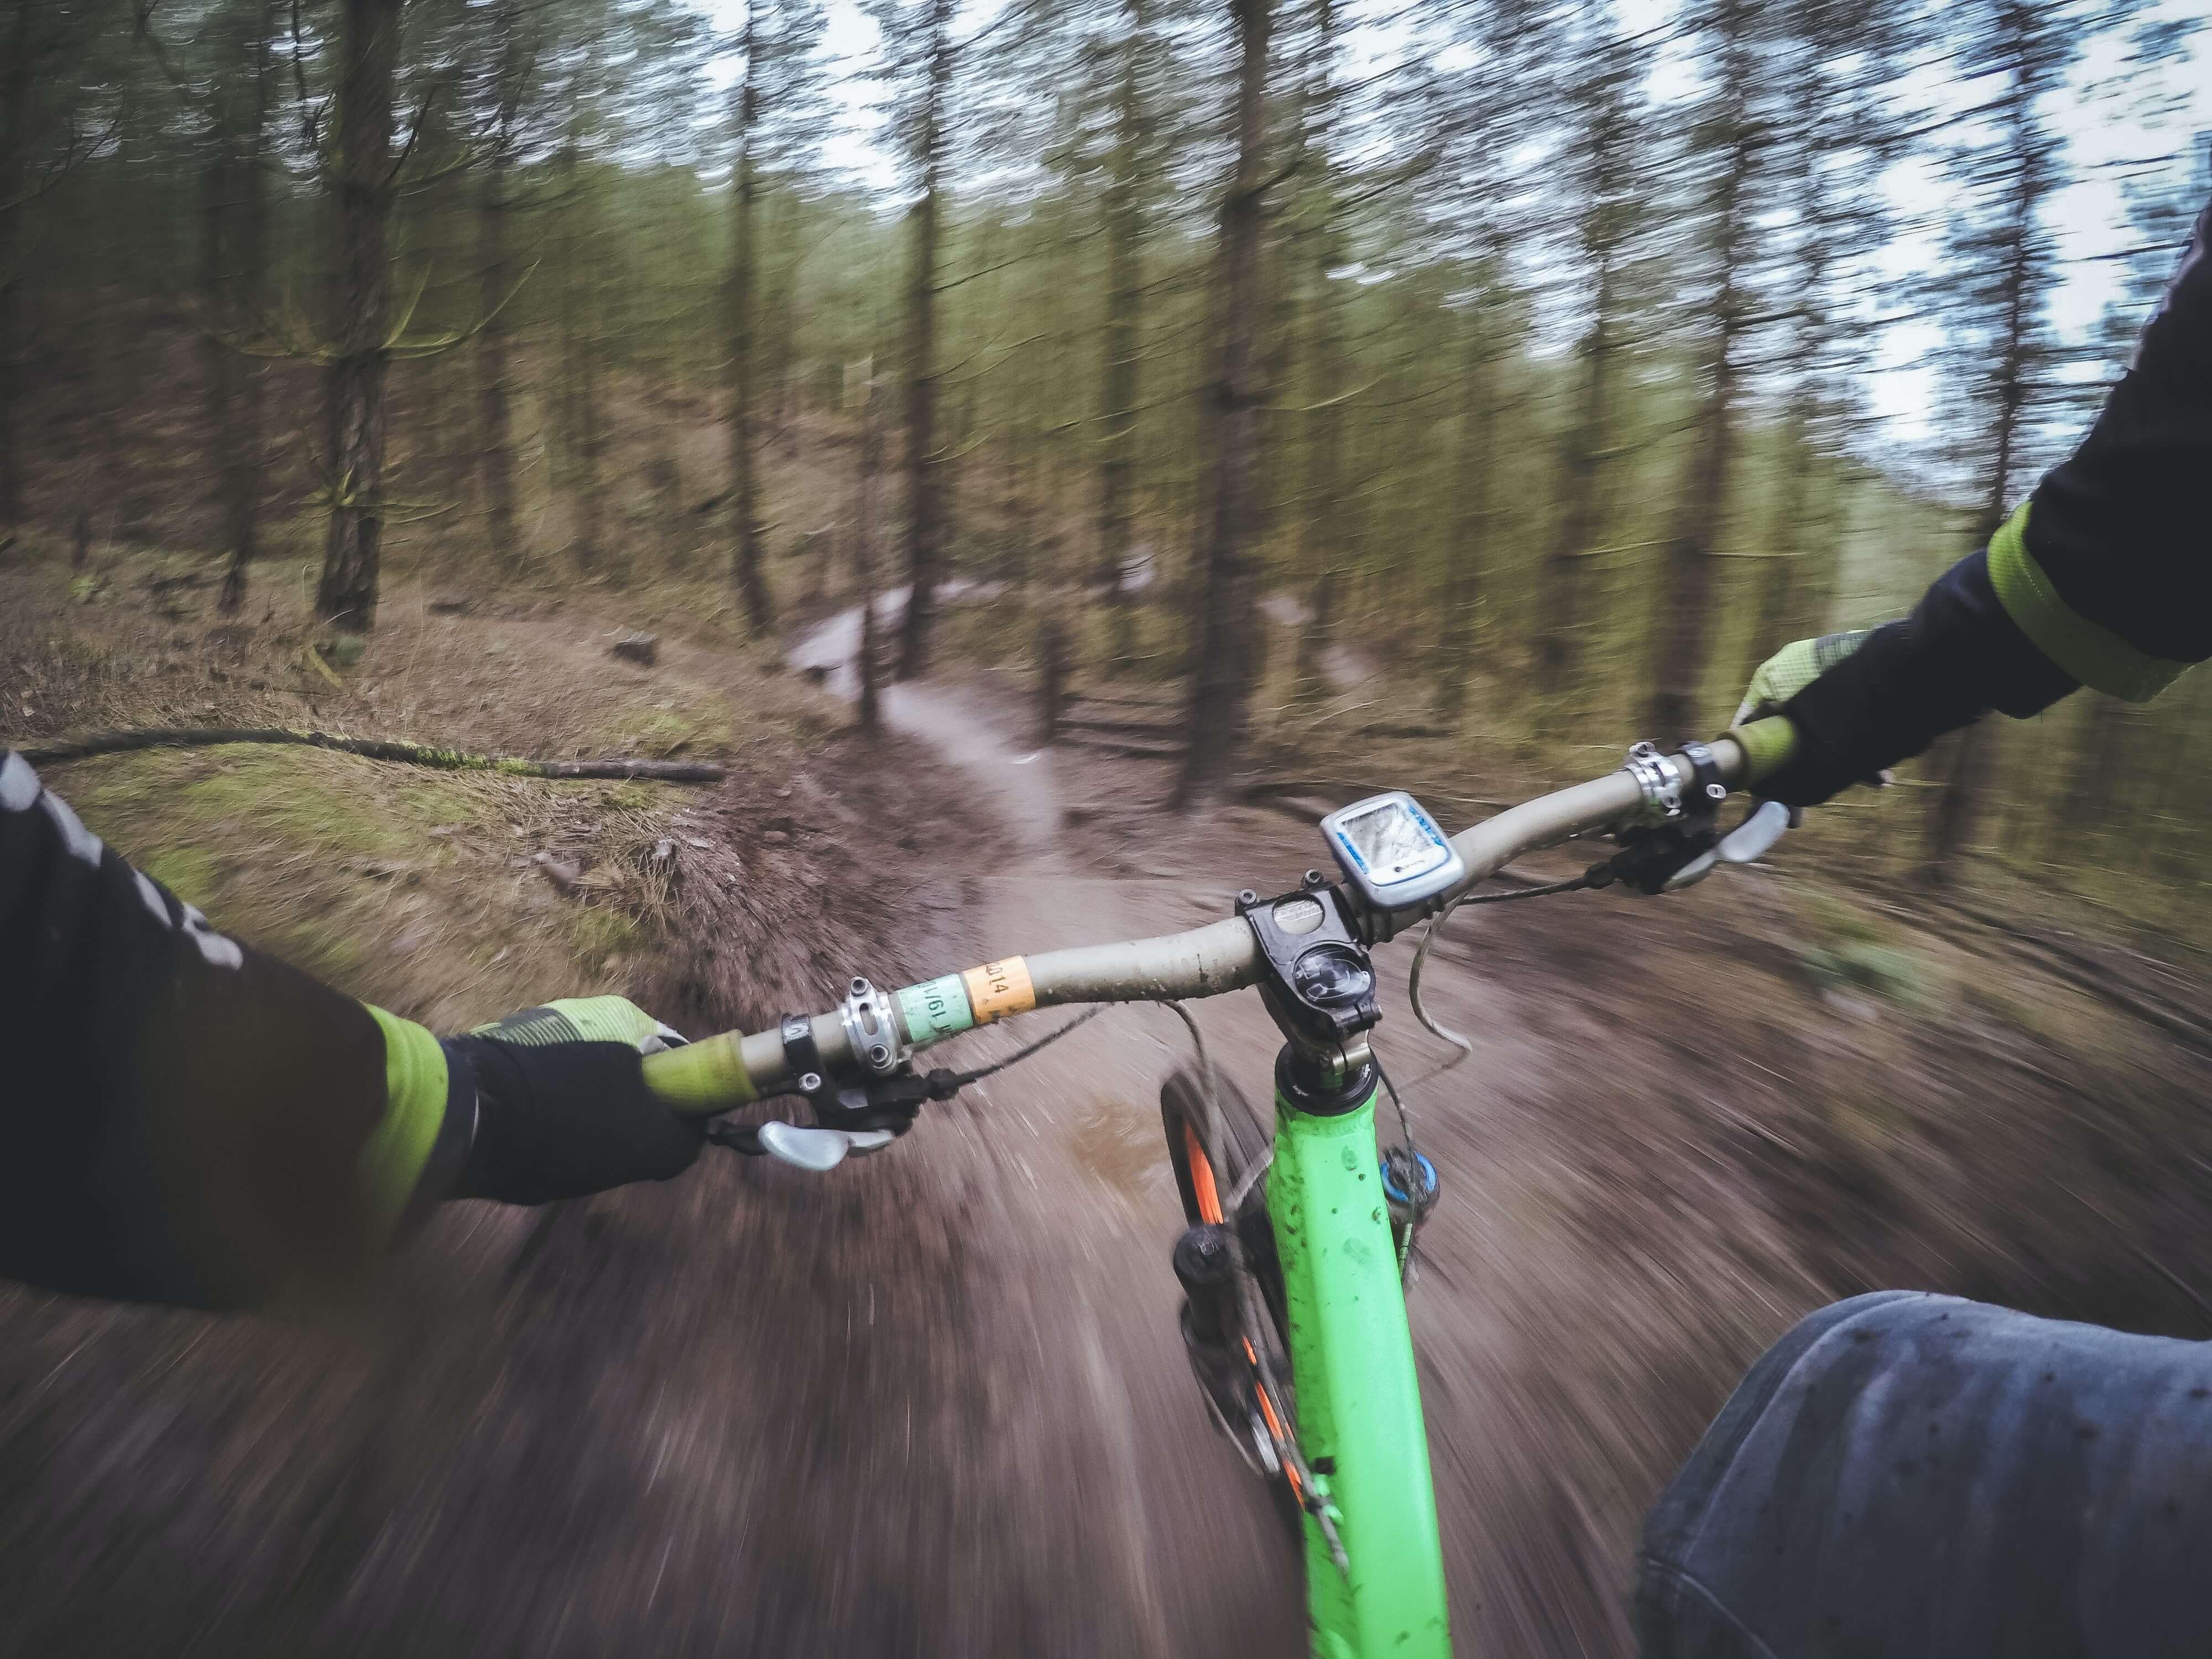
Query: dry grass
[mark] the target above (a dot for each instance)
(414, 890)
(423, 891)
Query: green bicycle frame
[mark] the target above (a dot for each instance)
(1359, 1403)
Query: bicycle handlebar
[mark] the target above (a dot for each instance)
(725, 1072)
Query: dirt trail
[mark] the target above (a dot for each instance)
(1181, 1552)
(1529, 1458)
(1562, 1367)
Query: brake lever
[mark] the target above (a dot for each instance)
(1746, 843)
(850, 1119)
(818, 1151)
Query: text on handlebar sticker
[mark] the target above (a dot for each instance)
(1000, 989)
(937, 1009)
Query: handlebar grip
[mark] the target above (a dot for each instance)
(703, 1078)
(1767, 746)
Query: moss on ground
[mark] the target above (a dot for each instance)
(416, 888)
(410, 887)
(362, 808)
(685, 721)
(599, 933)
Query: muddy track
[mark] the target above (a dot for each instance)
(934, 1404)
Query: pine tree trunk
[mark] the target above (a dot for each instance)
(2099, 767)
(780, 331)
(924, 483)
(1014, 519)
(744, 507)
(1221, 685)
(232, 256)
(580, 371)
(1467, 585)
(1782, 579)
(1328, 550)
(665, 475)
(1957, 811)
(591, 444)
(1581, 445)
(1125, 234)
(369, 56)
(1687, 587)
(868, 451)
(1559, 638)
(494, 396)
(14, 180)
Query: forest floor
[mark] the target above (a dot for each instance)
(934, 1404)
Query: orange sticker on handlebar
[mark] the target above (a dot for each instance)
(998, 988)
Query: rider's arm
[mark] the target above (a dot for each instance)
(189, 1121)
(2102, 577)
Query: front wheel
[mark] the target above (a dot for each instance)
(1203, 1188)
(1237, 1393)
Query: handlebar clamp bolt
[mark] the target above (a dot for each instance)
(1659, 780)
(870, 1029)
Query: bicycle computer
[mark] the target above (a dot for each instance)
(1392, 852)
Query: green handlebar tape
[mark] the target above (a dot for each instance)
(1768, 746)
(703, 1078)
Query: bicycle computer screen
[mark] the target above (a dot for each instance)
(1392, 851)
(1392, 842)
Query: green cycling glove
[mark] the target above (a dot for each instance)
(1793, 668)
(1771, 744)
(560, 1102)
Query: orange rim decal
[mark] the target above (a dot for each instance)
(1268, 1411)
(1209, 1209)
(1202, 1175)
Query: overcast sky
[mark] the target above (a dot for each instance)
(2088, 217)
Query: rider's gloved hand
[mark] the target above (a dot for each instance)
(562, 1105)
(1783, 767)
(1791, 669)
(1858, 703)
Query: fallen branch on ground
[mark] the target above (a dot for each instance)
(413, 753)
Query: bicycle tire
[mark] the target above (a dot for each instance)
(1183, 1102)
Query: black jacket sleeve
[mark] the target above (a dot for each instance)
(1959, 655)
(2104, 578)
(2121, 529)
(182, 1117)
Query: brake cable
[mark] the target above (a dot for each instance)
(1464, 1047)
(880, 1101)
(952, 1080)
